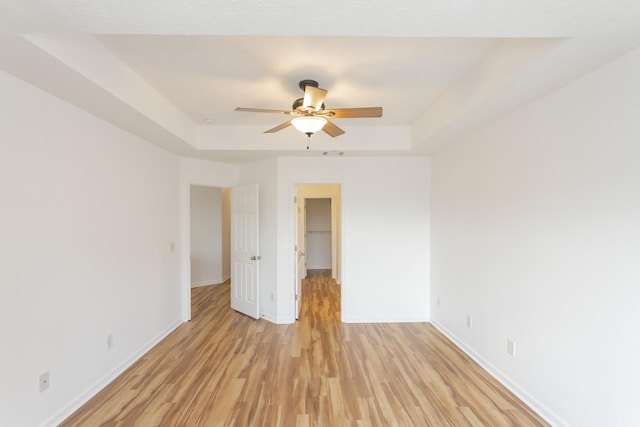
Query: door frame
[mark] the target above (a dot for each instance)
(185, 237)
(300, 224)
(337, 259)
(334, 233)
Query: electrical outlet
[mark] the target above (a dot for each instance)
(438, 301)
(44, 381)
(469, 321)
(109, 341)
(273, 298)
(172, 247)
(511, 348)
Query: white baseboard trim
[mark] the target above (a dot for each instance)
(410, 319)
(548, 415)
(216, 281)
(276, 320)
(84, 397)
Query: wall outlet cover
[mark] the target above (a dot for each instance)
(44, 381)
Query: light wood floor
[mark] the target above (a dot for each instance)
(226, 369)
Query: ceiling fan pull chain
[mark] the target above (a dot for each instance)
(308, 139)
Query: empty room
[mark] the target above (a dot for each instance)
(476, 169)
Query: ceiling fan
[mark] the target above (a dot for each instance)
(310, 114)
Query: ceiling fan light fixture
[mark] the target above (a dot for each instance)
(309, 113)
(309, 124)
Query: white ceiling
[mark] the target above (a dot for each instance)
(159, 68)
(207, 76)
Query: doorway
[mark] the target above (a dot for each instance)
(317, 234)
(209, 249)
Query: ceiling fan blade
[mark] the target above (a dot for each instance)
(313, 97)
(332, 130)
(279, 127)
(351, 113)
(261, 110)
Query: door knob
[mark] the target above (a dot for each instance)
(255, 258)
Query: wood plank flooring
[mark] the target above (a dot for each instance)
(226, 369)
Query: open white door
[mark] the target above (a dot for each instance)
(244, 250)
(299, 252)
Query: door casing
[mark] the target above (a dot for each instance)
(326, 190)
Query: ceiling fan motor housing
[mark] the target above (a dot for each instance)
(300, 102)
(304, 83)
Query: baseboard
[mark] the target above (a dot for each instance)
(216, 281)
(84, 397)
(410, 319)
(276, 320)
(548, 415)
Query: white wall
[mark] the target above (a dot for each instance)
(318, 233)
(89, 218)
(385, 234)
(536, 234)
(206, 235)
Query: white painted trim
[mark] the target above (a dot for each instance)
(185, 229)
(185, 264)
(334, 239)
(216, 281)
(293, 232)
(334, 227)
(275, 320)
(213, 282)
(546, 413)
(356, 319)
(92, 390)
